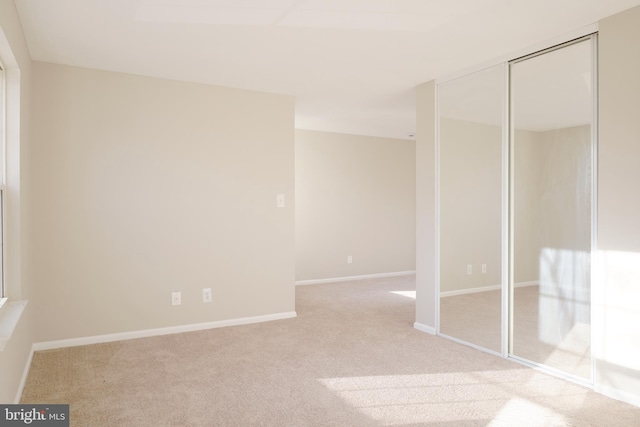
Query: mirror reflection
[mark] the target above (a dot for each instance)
(470, 116)
(551, 101)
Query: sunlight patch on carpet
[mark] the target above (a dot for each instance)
(443, 397)
(408, 294)
(526, 413)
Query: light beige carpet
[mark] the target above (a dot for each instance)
(474, 318)
(351, 358)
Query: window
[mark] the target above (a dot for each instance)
(2, 182)
(11, 295)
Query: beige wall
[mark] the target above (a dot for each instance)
(355, 195)
(145, 186)
(426, 206)
(17, 63)
(564, 187)
(617, 311)
(526, 182)
(470, 204)
(552, 204)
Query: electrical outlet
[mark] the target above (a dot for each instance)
(176, 298)
(349, 259)
(469, 269)
(206, 295)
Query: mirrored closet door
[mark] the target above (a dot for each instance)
(551, 207)
(470, 208)
(516, 174)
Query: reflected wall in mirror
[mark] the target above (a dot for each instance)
(470, 207)
(551, 102)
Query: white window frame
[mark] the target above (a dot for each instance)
(3, 165)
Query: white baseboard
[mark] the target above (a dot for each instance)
(470, 291)
(49, 345)
(25, 374)
(483, 289)
(525, 284)
(424, 328)
(349, 278)
(614, 393)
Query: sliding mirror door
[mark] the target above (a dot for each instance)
(551, 207)
(470, 207)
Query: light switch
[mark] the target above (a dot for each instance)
(280, 200)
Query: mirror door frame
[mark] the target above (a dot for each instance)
(507, 198)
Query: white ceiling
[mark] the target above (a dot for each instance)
(351, 64)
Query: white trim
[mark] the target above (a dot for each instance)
(505, 278)
(25, 375)
(9, 318)
(507, 345)
(525, 284)
(550, 370)
(437, 193)
(72, 342)
(470, 344)
(564, 38)
(614, 393)
(350, 278)
(483, 289)
(424, 328)
(594, 283)
(3, 182)
(470, 291)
